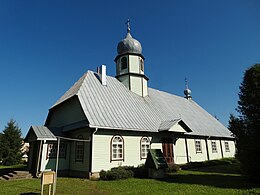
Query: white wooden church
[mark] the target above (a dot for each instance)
(119, 119)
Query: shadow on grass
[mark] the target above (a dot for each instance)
(29, 193)
(216, 180)
(226, 169)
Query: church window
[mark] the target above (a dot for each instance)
(142, 64)
(79, 153)
(227, 146)
(53, 149)
(117, 148)
(123, 63)
(198, 146)
(145, 146)
(214, 146)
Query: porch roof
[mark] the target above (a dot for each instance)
(39, 133)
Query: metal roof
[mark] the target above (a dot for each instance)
(115, 107)
(41, 133)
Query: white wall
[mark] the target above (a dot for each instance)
(101, 150)
(101, 158)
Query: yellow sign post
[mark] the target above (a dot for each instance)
(48, 178)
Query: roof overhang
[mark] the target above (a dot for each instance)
(175, 125)
(38, 133)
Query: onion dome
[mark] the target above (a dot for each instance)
(129, 44)
(187, 91)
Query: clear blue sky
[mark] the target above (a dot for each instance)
(46, 46)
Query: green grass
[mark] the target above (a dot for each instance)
(12, 166)
(219, 179)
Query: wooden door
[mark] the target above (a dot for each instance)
(167, 146)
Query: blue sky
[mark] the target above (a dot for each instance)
(46, 46)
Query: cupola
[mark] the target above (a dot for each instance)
(130, 64)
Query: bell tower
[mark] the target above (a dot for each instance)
(130, 64)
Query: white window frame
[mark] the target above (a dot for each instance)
(79, 149)
(214, 146)
(198, 147)
(52, 150)
(227, 149)
(145, 145)
(117, 148)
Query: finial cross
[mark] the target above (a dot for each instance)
(128, 25)
(186, 83)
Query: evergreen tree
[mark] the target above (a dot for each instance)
(246, 128)
(10, 144)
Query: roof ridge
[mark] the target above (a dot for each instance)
(72, 90)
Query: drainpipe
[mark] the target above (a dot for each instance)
(221, 148)
(187, 150)
(207, 148)
(91, 151)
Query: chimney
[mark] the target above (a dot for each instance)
(101, 70)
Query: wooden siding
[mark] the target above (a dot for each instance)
(67, 113)
(85, 164)
(50, 163)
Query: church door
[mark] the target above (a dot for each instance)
(167, 146)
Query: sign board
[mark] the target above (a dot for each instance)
(48, 177)
(155, 159)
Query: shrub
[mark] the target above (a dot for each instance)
(116, 173)
(173, 168)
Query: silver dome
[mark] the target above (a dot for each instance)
(129, 45)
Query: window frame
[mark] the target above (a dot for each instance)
(49, 154)
(82, 145)
(141, 65)
(214, 146)
(227, 148)
(146, 149)
(198, 148)
(112, 158)
(123, 64)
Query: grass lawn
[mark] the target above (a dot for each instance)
(207, 180)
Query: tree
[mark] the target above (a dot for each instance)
(10, 144)
(246, 128)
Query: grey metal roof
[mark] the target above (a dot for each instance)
(42, 133)
(166, 125)
(115, 107)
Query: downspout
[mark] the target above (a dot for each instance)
(207, 148)
(221, 148)
(187, 150)
(38, 161)
(91, 151)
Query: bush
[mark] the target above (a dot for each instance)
(116, 173)
(173, 168)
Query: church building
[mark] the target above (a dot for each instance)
(103, 122)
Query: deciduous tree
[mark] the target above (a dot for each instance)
(246, 128)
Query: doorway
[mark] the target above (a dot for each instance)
(167, 146)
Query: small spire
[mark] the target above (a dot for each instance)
(128, 25)
(186, 83)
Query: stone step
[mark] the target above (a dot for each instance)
(17, 175)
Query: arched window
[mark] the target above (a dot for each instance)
(145, 146)
(79, 153)
(117, 148)
(123, 63)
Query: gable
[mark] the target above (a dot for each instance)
(67, 113)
